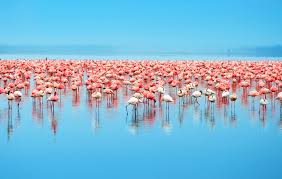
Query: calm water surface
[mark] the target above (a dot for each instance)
(81, 141)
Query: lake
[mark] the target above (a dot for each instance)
(83, 140)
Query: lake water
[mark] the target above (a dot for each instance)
(81, 140)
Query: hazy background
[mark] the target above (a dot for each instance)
(110, 27)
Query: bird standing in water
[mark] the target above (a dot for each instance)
(279, 97)
(53, 98)
(263, 102)
(181, 93)
(18, 97)
(97, 95)
(132, 101)
(225, 94)
(10, 97)
(167, 99)
(233, 98)
(212, 99)
(196, 95)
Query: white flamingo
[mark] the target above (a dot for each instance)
(196, 95)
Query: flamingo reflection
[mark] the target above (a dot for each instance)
(10, 126)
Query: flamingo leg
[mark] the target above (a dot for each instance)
(126, 109)
(197, 101)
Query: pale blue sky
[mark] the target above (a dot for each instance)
(175, 25)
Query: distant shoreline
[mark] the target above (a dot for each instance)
(134, 57)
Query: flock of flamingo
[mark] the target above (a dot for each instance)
(147, 82)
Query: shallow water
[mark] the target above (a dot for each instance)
(81, 140)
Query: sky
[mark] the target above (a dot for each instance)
(143, 25)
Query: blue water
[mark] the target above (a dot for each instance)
(80, 140)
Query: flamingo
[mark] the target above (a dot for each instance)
(18, 96)
(138, 96)
(2, 90)
(274, 89)
(263, 102)
(109, 92)
(132, 101)
(208, 92)
(253, 94)
(97, 95)
(212, 99)
(181, 93)
(151, 97)
(196, 95)
(191, 86)
(233, 98)
(74, 87)
(48, 90)
(167, 99)
(10, 97)
(279, 97)
(225, 94)
(161, 90)
(264, 91)
(40, 94)
(34, 93)
(53, 98)
(146, 79)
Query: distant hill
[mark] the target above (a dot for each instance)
(56, 49)
(261, 51)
